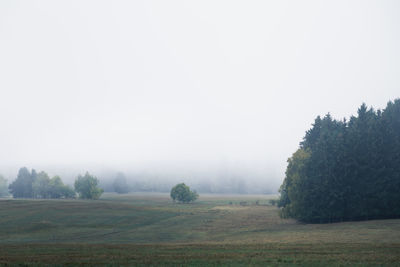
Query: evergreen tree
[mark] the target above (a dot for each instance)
(346, 170)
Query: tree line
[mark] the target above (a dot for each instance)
(30, 184)
(346, 170)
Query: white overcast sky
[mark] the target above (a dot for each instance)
(138, 82)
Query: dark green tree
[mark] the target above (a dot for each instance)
(183, 194)
(346, 170)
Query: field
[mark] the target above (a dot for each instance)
(148, 229)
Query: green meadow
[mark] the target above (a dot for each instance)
(149, 229)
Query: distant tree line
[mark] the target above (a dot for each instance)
(346, 170)
(121, 183)
(30, 184)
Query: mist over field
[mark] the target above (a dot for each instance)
(214, 94)
(207, 178)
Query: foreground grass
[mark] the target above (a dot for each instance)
(202, 254)
(144, 229)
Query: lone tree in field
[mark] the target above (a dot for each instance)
(183, 194)
(86, 187)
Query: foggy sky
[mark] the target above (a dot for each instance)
(194, 83)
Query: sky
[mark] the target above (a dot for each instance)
(189, 84)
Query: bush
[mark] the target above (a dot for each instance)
(183, 194)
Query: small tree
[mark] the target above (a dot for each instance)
(41, 185)
(68, 192)
(44, 187)
(183, 194)
(59, 190)
(87, 188)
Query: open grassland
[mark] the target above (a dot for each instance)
(148, 229)
(202, 254)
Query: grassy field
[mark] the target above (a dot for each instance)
(148, 229)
